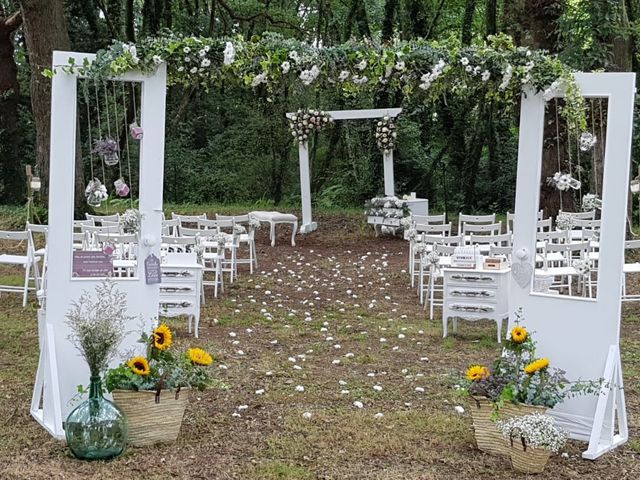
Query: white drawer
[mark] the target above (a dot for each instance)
(178, 275)
(179, 289)
(375, 220)
(471, 308)
(472, 278)
(486, 294)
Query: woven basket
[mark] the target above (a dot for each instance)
(488, 437)
(527, 459)
(152, 422)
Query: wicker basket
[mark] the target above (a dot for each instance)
(526, 459)
(152, 421)
(488, 437)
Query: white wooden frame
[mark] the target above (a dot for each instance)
(308, 225)
(580, 335)
(60, 369)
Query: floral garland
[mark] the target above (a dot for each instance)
(304, 122)
(386, 134)
(271, 62)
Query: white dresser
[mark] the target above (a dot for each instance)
(181, 287)
(475, 295)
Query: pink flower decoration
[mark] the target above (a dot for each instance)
(135, 131)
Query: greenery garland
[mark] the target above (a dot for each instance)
(424, 71)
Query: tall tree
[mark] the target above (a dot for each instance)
(467, 21)
(45, 31)
(10, 166)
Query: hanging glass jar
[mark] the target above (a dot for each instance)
(95, 193)
(108, 149)
(122, 189)
(35, 184)
(96, 429)
(135, 131)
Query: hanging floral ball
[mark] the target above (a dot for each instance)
(386, 134)
(304, 122)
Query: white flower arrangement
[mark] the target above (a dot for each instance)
(406, 222)
(431, 259)
(535, 431)
(386, 134)
(131, 220)
(96, 193)
(412, 234)
(587, 141)
(254, 223)
(591, 202)
(309, 76)
(305, 122)
(239, 230)
(506, 78)
(583, 267)
(564, 181)
(420, 248)
(564, 221)
(219, 238)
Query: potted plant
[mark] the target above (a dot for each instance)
(153, 389)
(517, 383)
(532, 439)
(108, 149)
(97, 429)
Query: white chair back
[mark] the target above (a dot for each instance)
(481, 229)
(440, 229)
(98, 219)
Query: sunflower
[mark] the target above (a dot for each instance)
(477, 372)
(519, 334)
(139, 366)
(536, 365)
(162, 337)
(199, 356)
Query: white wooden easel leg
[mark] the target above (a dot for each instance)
(294, 230)
(610, 410)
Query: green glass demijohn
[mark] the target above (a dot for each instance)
(96, 429)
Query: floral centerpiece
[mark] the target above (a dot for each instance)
(97, 428)
(532, 439)
(108, 149)
(591, 202)
(304, 122)
(518, 382)
(386, 134)
(138, 383)
(95, 192)
(387, 207)
(564, 221)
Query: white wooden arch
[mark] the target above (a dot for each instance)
(60, 368)
(580, 335)
(308, 225)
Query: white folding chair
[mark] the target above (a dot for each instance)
(247, 237)
(98, 219)
(630, 268)
(188, 220)
(20, 241)
(40, 254)
(430, 219)
(170, 228)
(464, 218)
(570, 252)
(124, 252)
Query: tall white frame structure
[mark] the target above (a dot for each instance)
(60, 368)
(580, 335)
(308, 225)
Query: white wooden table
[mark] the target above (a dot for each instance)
(275, 218)
(475, 294)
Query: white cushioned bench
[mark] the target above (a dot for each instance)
(275, 218)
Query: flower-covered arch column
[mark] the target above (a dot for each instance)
(308, 225)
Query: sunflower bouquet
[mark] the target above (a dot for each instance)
(520, 376)
(161, 367)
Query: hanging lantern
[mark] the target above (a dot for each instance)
(122, 189)
(108, 149)
(95, 193)
(136, 131)
(35, 184)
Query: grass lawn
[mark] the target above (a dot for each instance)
(335, 315)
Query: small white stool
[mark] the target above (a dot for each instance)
(275, 218)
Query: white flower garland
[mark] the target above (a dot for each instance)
(563, 181)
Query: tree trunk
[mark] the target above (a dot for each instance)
(390, 7)
(467, 22)
(45, 31)
(491, 14)
(11, 188)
